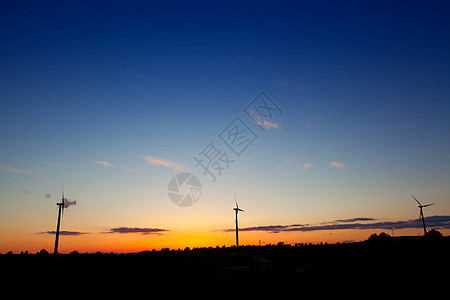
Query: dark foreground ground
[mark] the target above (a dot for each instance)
(405, 267)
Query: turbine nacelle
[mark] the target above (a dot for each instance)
(237, 206)
(420, 205)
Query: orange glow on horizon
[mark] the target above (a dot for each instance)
(132, 242)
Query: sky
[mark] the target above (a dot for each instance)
(322, 118)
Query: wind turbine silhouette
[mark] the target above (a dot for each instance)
(65, 203)
(237, 210)
(421, 214)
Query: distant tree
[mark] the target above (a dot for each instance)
(280, 244)
(380, 237)
(9, 253)
(373, 237)
(384, 236)
(433, 234)
(43, 252)
(74, 252)
(381, 240)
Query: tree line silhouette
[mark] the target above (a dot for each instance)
(381, 258)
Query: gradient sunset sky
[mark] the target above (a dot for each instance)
(115, 98)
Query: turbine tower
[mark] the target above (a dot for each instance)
(65, 203)
(421, 214)
(237, 210)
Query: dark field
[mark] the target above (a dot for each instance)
(372, 267)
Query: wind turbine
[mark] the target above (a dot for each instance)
(237, 210)
(65, 203)
(421, 213)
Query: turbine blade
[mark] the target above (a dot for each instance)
(428, 204)
(236, 201)
(416, 200)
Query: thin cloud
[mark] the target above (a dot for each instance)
(47, 195)
(15, 170)
(65, 232)
(245, 58)
(283, 82)
(354, 220)
(335, 164)
(144, 231)
(104, 163)
(258, 119)
(306, 167)
(107, 164)
(129, 170)
(436, 222)
(163, 162)
(268, 228)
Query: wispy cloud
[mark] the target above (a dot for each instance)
(306, 166)
(354, 220)
(104, 163)
(144, 231)
(107, 164)
(258, 119)
(129, 170)
(335, 164)
(163, 162)
(245, 58)
(282, 82)
(64, 232)
(15, 170)
(436, 222)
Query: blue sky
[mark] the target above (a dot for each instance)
(363, 85)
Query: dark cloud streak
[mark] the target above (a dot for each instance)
(354, 220)
(436, 222)
(64, 232)
(144, 231)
